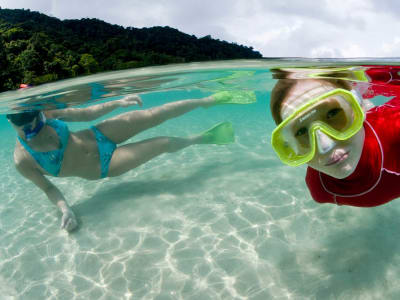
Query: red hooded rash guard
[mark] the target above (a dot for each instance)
(376, 179)
(383, 80)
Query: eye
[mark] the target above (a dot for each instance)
(301, 131)
(333, 112)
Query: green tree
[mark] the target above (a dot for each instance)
(88, 63)
(4, 75)
(75, 70)
(38, 48)
(14, 33)
(16, 46)
(30, 61)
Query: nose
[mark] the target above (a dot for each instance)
(324, 142)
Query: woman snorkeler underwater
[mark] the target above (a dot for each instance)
(350, 147)
(46, 147)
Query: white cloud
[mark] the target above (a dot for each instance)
(324, 51)
(389, 48)
(351, 28)
(353, 50)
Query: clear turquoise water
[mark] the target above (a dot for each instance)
(209, 222)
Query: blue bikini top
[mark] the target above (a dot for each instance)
(51, 160)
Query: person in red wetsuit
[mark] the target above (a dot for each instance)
(363, 170)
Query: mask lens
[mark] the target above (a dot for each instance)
(20, 119)
(334, 112)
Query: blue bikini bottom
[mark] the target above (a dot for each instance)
(106, 149)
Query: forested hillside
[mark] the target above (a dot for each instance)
(35, 48)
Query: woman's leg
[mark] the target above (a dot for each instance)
(122, 127)
(130, 156)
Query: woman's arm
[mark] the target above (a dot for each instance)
(93, 112)
(68, 220)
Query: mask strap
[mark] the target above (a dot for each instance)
(357, 95)
(364, 103)
(42, 117)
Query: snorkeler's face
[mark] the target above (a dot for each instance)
(337, 158)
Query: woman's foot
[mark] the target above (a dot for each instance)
(234, 97)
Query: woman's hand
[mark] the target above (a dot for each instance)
(130, 100)
(68, 220)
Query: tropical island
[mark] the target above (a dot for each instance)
(36, 48)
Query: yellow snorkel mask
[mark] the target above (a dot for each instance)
(336, 113)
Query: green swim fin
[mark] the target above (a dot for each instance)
(234, 97)
(220, 134)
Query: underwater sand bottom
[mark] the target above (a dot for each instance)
(207, 223)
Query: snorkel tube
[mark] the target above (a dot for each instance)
(30, 132)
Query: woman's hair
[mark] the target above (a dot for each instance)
(23, 118)
(284, 85)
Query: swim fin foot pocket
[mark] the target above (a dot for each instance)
(234, 97)
(220, 134)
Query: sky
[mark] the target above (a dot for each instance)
(275, 28)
